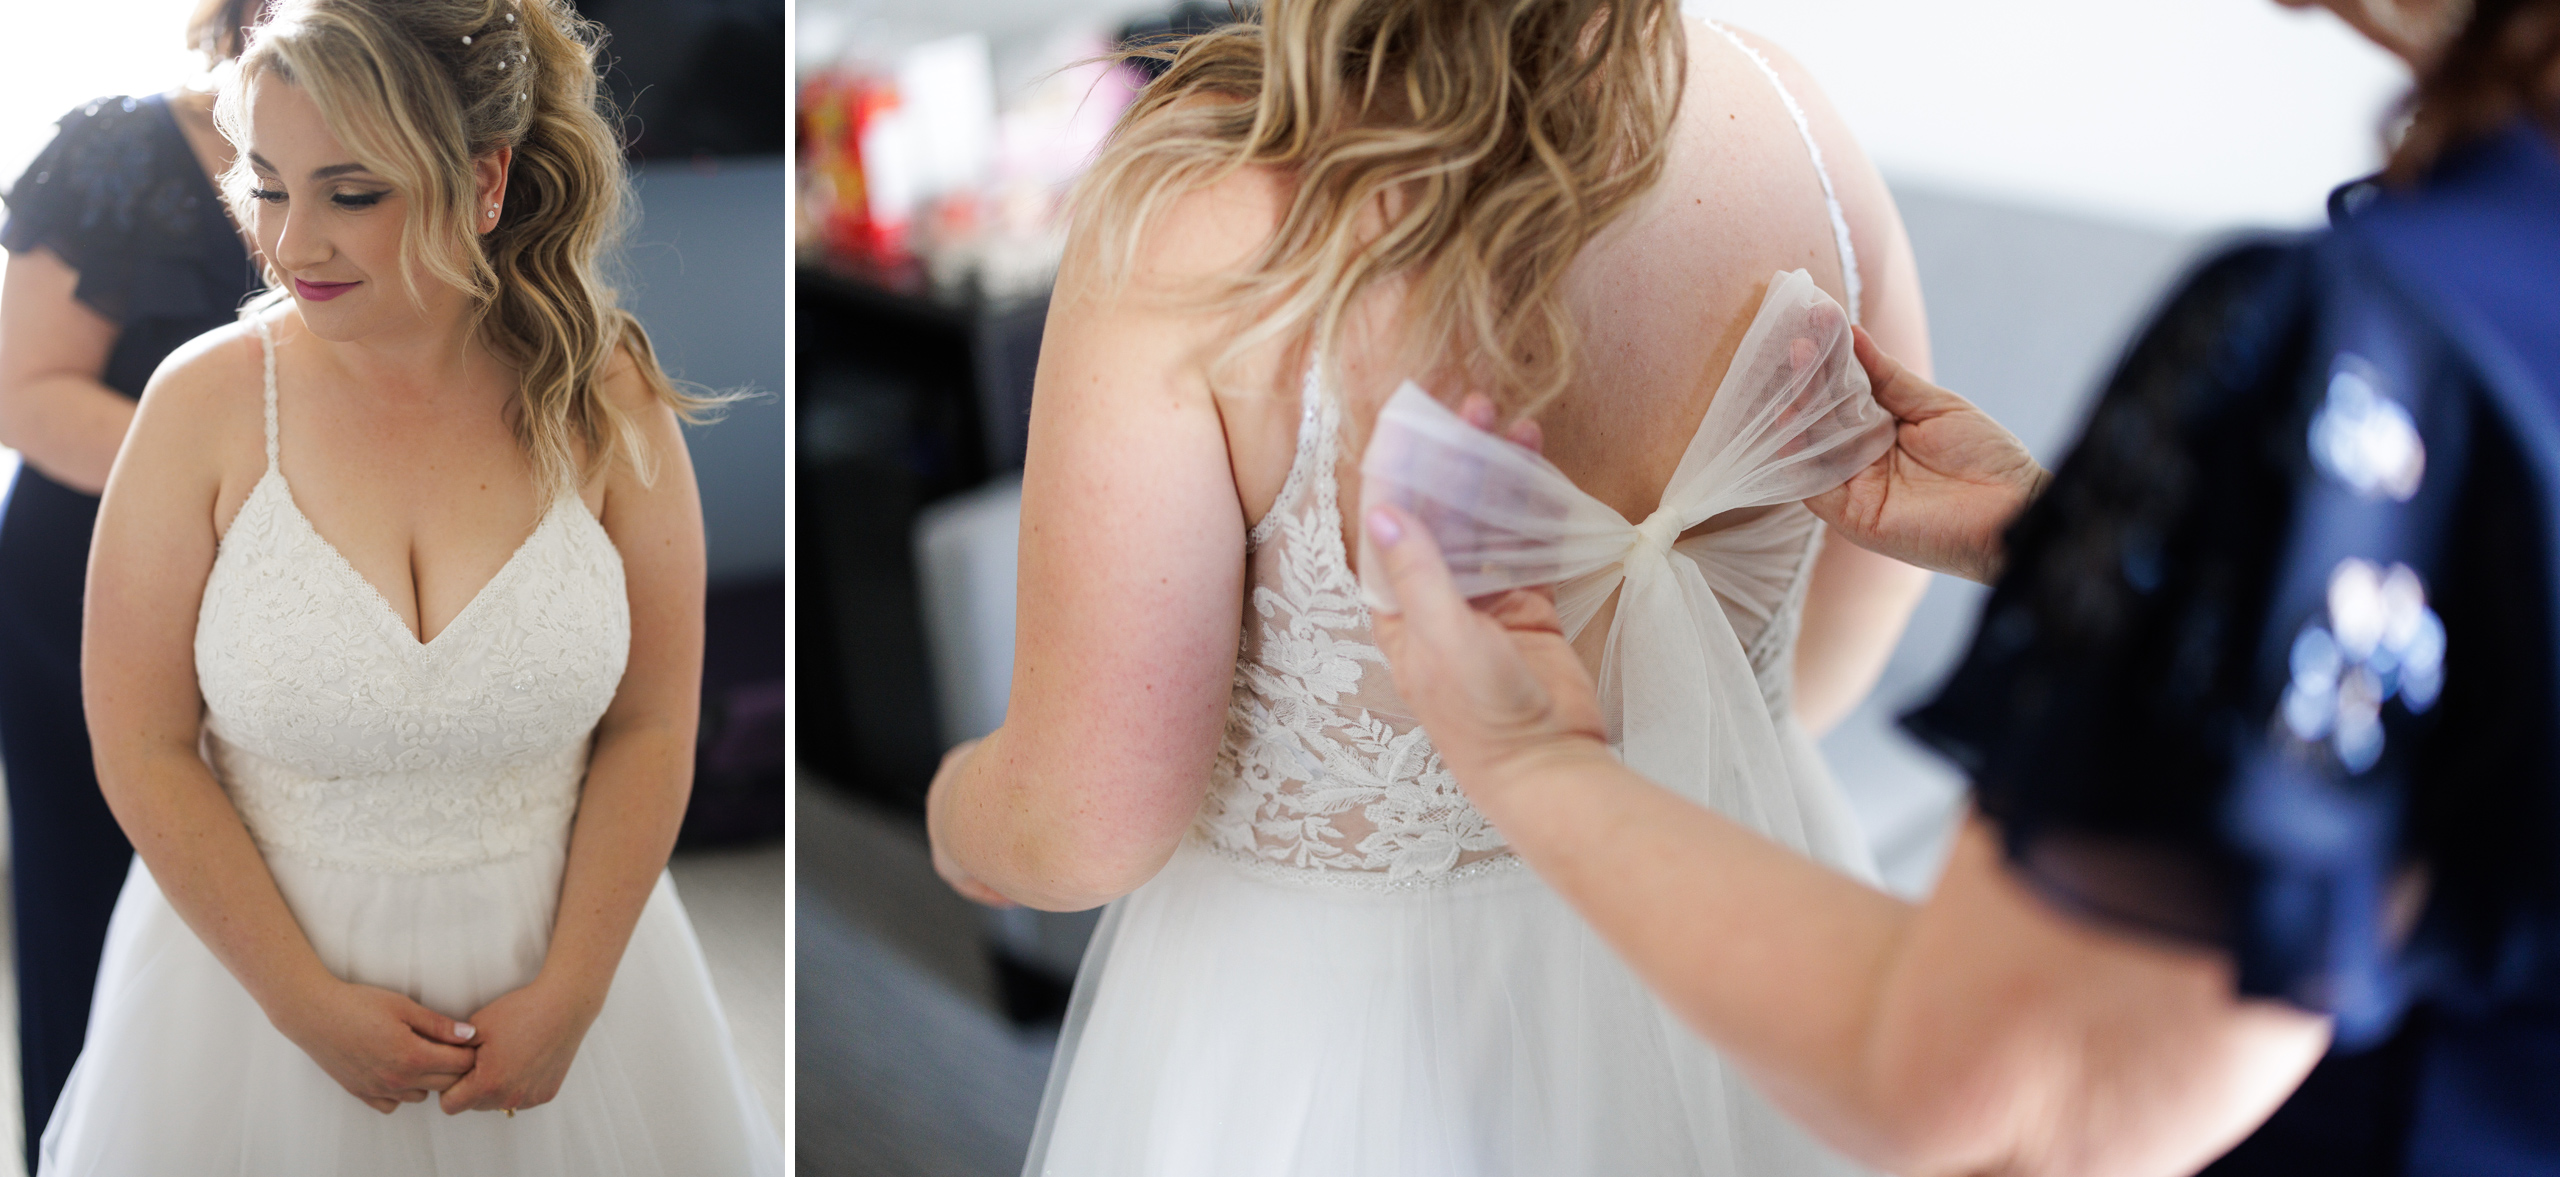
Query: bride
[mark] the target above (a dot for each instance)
(1643, 238)
(393, 639)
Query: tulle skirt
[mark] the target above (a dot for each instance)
(183, 1074)
(1229, 1022)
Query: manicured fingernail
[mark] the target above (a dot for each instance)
(1384, 529)
(463, 1030)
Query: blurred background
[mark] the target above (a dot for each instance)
(703, 85)
(2058, 166)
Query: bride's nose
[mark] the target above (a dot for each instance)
(299, 244)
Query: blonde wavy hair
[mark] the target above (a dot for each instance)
(418, 89)
(1467, 148)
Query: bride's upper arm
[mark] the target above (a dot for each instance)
(657, 527)
(1133, 540)
(157, 530)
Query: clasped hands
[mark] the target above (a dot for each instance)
(387, 1050)
(1502, 693)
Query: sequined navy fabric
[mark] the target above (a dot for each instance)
(2273, 666)
(120, 197)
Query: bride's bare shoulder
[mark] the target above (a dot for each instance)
(204, 411)
(213, 381)
(225, 364)
(1168, 235)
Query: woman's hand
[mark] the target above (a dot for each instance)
(1496, 684)
(383, 1048)
(943, 863)
(1943, 494)
(528, 1038)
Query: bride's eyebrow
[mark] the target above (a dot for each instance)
(330, 172)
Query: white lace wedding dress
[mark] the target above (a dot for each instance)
(1344, 972)
(414, 803)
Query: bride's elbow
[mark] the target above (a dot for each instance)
(1073, 856)
(1075, 869)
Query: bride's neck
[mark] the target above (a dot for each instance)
(439, 353)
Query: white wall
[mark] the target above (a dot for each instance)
(2177, 114)
(62, 54)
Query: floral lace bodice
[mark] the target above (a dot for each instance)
(1322, 773)
(345, 742)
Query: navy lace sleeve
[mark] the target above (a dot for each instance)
(2272, 665)
(121, 199)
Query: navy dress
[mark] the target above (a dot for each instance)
(2276, 663)
(121, 199)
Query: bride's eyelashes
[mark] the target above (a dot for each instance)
(346, 200)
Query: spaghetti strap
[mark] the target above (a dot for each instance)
(267, 347)
(1830, 197)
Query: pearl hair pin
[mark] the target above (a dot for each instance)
(466, 40)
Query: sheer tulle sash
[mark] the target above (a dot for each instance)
(1793, 417)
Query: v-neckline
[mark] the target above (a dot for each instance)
(391, 613)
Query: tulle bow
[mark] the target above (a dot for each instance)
(1793, 417)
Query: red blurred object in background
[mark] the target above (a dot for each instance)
(849, 219)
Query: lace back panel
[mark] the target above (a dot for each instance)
(1321, 769)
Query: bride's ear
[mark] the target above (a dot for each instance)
(489, 188)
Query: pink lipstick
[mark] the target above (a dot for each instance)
(322, 291)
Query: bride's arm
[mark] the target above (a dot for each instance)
(639, 774)
(1132, 584)
(1859, 601)
(153, 549)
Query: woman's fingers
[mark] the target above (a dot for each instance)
(1412, 563)
(1529, 610)
(1883, 371)
(379, 1104)
(465, 1094)
(438, 1028)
